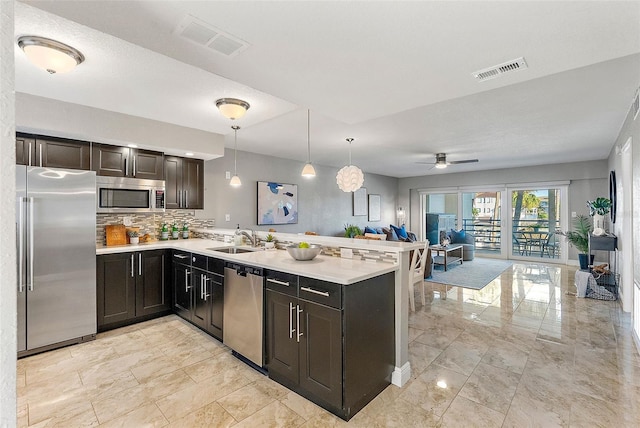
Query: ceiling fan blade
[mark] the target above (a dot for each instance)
(426, 163)
(462, 161)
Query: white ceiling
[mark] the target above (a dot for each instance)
(396, 76)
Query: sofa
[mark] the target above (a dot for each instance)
(461, 237)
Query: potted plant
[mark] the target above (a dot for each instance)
(598, 208)
(351, 230)
(579, 238)
(134, 236)
(270, 241)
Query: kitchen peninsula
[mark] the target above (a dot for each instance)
(351, 275)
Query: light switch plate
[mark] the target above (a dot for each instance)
(127, 221)
(227, 175)
(227, 217)
(346, 253)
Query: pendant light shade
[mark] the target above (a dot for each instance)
(235, 180)
(308, 171)
(350, 178)
(232, 108)
(50, 55)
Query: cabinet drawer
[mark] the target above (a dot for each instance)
(216, 266)
(199, 261)
(325, 293)
(181, 257)
(286, 283)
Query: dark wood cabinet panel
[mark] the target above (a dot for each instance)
(147, 164)
(216, 306)
(199, 286)
(25, 150)
(281, 340)
(152, 282)
(172, 181)
(110, 160)
(182, 290)
(184, 183)
(63, 154)
(116, 288)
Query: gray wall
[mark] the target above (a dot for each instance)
(323, 207)
(588, 180)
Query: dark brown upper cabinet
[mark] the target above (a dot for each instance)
(116, 161)
(184, 183)
(52, 152)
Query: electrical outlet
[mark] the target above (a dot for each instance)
(574, 214)
(227, 217)
(127, 221)
(227, 175)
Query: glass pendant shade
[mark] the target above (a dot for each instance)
(50, 55)
(308, 171)
(350, 178)
(235, 181)
(232, 108)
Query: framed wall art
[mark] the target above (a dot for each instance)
(360, 201)
(277, 203)
(374, 207)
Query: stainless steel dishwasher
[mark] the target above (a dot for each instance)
(243, 311)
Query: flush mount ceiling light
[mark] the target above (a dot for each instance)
(350, 178)
(308, 170)
(232, 108)
(50, 55)
(235, 180)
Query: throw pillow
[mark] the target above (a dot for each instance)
(400, 231)
(379, 230)
(391, 234)
(411, 237)
(458, 237)
(367, 229)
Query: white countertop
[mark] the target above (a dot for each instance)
(327, 268)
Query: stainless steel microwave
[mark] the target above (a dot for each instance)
(129, 195)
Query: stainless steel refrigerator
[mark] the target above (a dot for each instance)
(56, 253)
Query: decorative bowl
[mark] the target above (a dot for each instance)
(303, 253)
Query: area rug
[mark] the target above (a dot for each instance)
(472, 274)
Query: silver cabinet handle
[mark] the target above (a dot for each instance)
(31, 204)
(205, 294)
(29, 154)
(186, 199)
(20, 232)
(299, 311)
(40, 154)
(275, 281)
(187, 287)
(311, 290)
(291, 329)
(133, 170)
(201, 287)
(180, 256)
(139, 264)
(131, 265)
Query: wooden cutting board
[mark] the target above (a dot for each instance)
(116, 234)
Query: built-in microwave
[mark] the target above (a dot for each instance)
(129, 195)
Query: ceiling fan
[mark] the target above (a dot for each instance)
(441, 161)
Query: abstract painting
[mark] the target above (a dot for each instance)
(277, 203)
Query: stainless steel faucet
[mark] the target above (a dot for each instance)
(253, 239)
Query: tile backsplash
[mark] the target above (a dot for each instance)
(151, 223)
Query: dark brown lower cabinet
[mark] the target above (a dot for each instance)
(132, 287)
(333, 344)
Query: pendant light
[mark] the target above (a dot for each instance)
(350, 178)
(50, 55)
(235, 180)
(308, 171)
(232, 108)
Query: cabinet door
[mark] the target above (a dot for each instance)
(321, 351)
(200, 298)
(172, 182)
(152, 282)
(193, 183)
(116, 288)
(215, 289)
(110, 160)
(63, 154)
(146, 164)
(25, 150)
(182, 290)
(281, 340)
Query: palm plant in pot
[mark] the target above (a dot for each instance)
(598, 208)
(579, 238)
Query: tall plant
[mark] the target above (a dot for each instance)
(599, 206)
(579, 236)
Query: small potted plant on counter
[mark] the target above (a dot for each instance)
(134, 236)
(351, 230)
(270, 242)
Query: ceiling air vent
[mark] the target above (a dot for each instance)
(206, 35)
(500, 69)
(635, 106)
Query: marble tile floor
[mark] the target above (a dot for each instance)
(519, 353)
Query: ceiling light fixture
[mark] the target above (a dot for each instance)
(308, 171)
(441, 160)
(350, 178)
(50, 55)
(232, 108)
(235, 180)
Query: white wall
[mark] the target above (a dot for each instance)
(323, 207)
(8, 327)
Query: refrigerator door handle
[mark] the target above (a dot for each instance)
(19, 231)
(31, 204)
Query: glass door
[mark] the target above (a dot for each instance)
(481, 213)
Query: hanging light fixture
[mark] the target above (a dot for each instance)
(308, 170)
(232, 108)
(50, 55)
(235, 180)
(350, 178)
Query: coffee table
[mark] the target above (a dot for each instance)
(444, 256)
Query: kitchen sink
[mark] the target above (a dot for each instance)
(232, 250)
